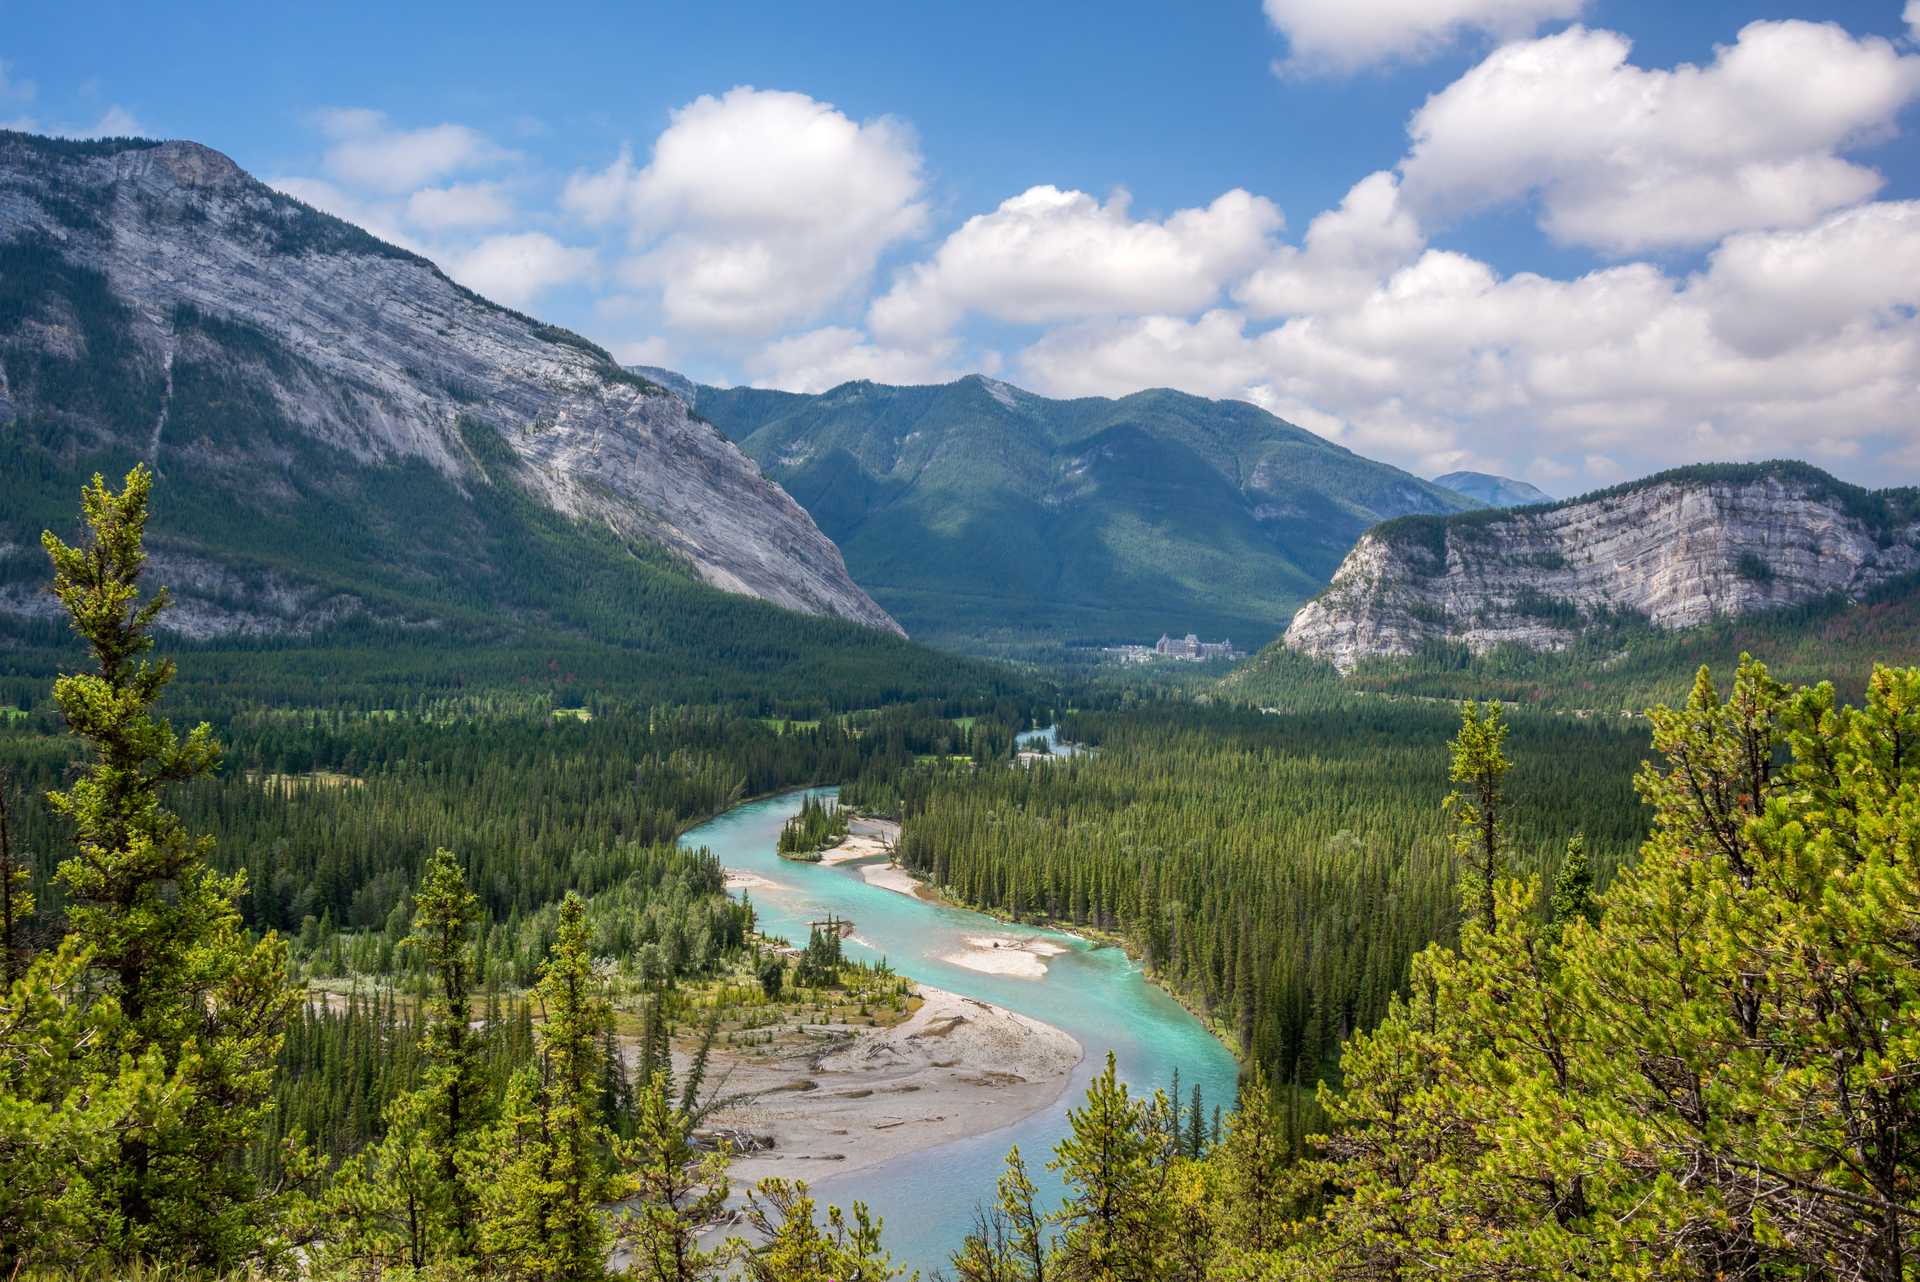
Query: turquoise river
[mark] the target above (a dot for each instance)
(1094, 993)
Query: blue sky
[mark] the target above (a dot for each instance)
(1561, 258)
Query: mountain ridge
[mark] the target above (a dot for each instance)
(157, 302)
(1671, 551)
(1492, 490)
(980, 513)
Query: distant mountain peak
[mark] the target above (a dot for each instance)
(985, 515)
(1494, 491)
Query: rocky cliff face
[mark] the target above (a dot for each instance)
(126, 269)
(1675, 550)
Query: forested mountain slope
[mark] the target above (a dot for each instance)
(1494, 491)
(343, 436)
(981, 515)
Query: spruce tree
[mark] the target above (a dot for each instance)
(1479, 767)
(543, 1180)
(457, 1101)
(1112, 1218)
(1573, 887)
(677, 1192)
(194, 996)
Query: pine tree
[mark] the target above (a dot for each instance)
(544, 1179)
(1762, 950)
(196, 1000)
(16, 901)
(794, 1248)
(389, 1205)
(1253, 1160)
(678, 1191)
(1112, 1218)
(1479, 766)
(457, 1099)
(65, 1114)
(1008, 1242)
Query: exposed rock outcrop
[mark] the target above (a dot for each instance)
(1674, 550)
(373, 352)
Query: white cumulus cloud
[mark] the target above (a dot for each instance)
(759, 208)
(369, 152)
(832, 355)
(517, 268)
(1787, 343)
(460, 205)
(1050, 255)
(1345, 252)
(1334, 36)
(1624, 158)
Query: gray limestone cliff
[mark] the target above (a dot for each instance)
(1672, 551)
(125, 263)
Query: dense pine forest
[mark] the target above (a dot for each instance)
(393, 990)
(1277, 870)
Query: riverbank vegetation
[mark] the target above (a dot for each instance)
(819, 824)
(1277, 872)
(1709, 1069)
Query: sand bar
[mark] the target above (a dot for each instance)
(892, 877)
(1021, 956)
(865, 839)
(959, 1067)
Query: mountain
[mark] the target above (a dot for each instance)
(346, 438)
(985, 517)
(1493, 491)
(1673, 551)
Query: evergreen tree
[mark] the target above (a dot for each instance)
(1113, 1216)
(794, 1248)
(678, 1191)
(457, 1103)
(411, 1200)
(1573, 887)
(1009, 1241)
(1479, 769)
(542, 1183)
(65, 1113)
(1253, 1160)
(1754, 977)
(195, 1001)
(1196, 1144)
(16, 900)
(389, 1205)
